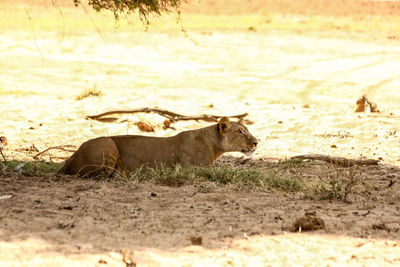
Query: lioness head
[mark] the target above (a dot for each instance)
(236, 137)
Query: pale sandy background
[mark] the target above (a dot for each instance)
(297, 74)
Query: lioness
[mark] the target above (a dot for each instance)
(128, 152)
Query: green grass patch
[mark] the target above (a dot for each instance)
(31, 168)
(240, 177)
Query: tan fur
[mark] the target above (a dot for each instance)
(124, 153)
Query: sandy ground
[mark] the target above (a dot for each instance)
(58, 220)
(299, 90)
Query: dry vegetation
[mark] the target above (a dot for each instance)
(92, 92)
(297, 68)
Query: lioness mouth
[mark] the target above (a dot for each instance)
(249, 153)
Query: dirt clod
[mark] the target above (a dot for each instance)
(101, 261)
(310, 213)
(308, 223)
(196, 240)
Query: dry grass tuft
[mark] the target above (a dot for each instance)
(92, 92)
(337, 183)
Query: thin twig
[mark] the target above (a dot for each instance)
(63, 158)
(365, 214)
(184, 31)
(57, 212)
(1, 152)
(33, 32)
(94, 24)
(172, 116)
(54, 147)
(3, 142)
(338, 160)
(55, 3)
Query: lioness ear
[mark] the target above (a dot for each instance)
(223, 125)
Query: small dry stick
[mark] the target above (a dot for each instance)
(3, 142)
(172, 116)
(57, 212)
(33, 32)
(184, 31)
(94, 24)
(54, 147)
(55, 4)
(365, 214)
(338, 160)
(1, 151)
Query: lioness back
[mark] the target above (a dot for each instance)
(136, 151)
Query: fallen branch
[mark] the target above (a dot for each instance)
(338, 160)
(54, 147)
(172, 116)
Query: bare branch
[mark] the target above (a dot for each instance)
(172, 116)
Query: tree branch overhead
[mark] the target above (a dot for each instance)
(143, 7)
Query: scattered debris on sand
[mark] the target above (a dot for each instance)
(144, 127)
(363, 103)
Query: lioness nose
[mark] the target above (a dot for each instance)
(255, 142)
